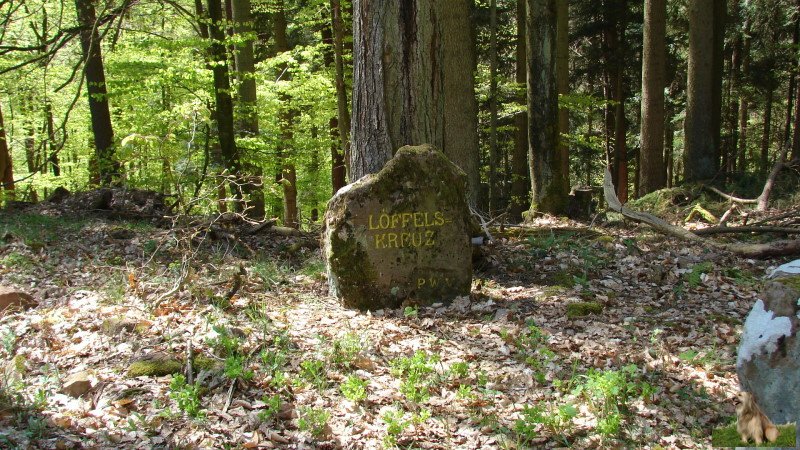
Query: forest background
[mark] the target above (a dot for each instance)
(225, 100)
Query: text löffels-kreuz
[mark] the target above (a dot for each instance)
(406, 229)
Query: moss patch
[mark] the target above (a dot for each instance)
(791, 282)
(728, 437)
(581, 309)
(154, 367)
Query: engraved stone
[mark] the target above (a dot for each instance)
(401, 235)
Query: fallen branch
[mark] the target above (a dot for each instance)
(777, 248)
(731, 230)
(730, 197)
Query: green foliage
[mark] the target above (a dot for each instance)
(410, 311)
(313, 420)
(418, 375)
(542, 245)
(313, 371)
(235, 368)
(187, 396)
(344, 350)
(354, 389)
(695, 276)
(272, 409)
(556, 420)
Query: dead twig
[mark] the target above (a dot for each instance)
(750, 229)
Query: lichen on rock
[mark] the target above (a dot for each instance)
(762, 331)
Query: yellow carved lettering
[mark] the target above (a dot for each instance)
(384, 224)
(395, 220)
(429, 242)
(380, 240)
(405, 240)
(391, 240)
(416, 239)
(418, 222)
(420, 282)
(439, 218)
(407, 216)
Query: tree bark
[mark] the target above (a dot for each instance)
(700, 161)
(397, 80)
(494, 152)
(520, 178)
(653, 175)
(223, 113)
(287, 176)
(549, 184)
(94, 72)
(562, 80)
(6, 164)
(341, 156)
(460, 124)
(765, 138)
(248, 105)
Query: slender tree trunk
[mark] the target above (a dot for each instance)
(744, 113)
(6, 164)
(734, 96)
(460, 126)
(652, 168)
(397, 80)
(621, 125)
(341, 157)
(718, 66)
(796, 121)
(669, 147)
(700, 156)
(562, 79)
(766, 137)
(520, 179)
(287, 177)
(549, 184)
(94, 72)
(223, 113)
(494, 151)
(248, 105)
(338, 171)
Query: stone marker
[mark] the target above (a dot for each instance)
(401, 234)
(768, 361)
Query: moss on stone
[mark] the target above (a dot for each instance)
(790, 282)
(201, 362)
(728, 437)
(581, 309)
(154, 367)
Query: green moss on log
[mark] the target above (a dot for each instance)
(156, 367)
(581, 309)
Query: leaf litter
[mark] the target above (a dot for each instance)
(269, 361)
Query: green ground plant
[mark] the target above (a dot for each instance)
(272, 409)
(313, 420)
(187, 397)
(558, 421)
(417, 374)
(344, 350)
(354, 389)
(313, 372)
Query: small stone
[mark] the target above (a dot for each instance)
(14, 299)
(154, 365)
(77, 384)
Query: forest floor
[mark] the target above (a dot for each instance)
(572, 336)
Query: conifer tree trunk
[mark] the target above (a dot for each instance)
(562, 79)
(494, 152)
(6, 164)
(744, 112)
(520, 173)
(700, 127)
(94, 73)
(548, 182)
(763, 165)
(652, 170)
(460, 124)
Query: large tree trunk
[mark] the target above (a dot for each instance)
(460, 105)
(520, 173)
(341, 156)
(248, 105)
(397, 80)
(6, 164)
(108, 167)
(653, 175)
(700, 161)
(549, 184)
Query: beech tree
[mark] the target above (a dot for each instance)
(549, 183)
(108, 168)
(6, 164)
